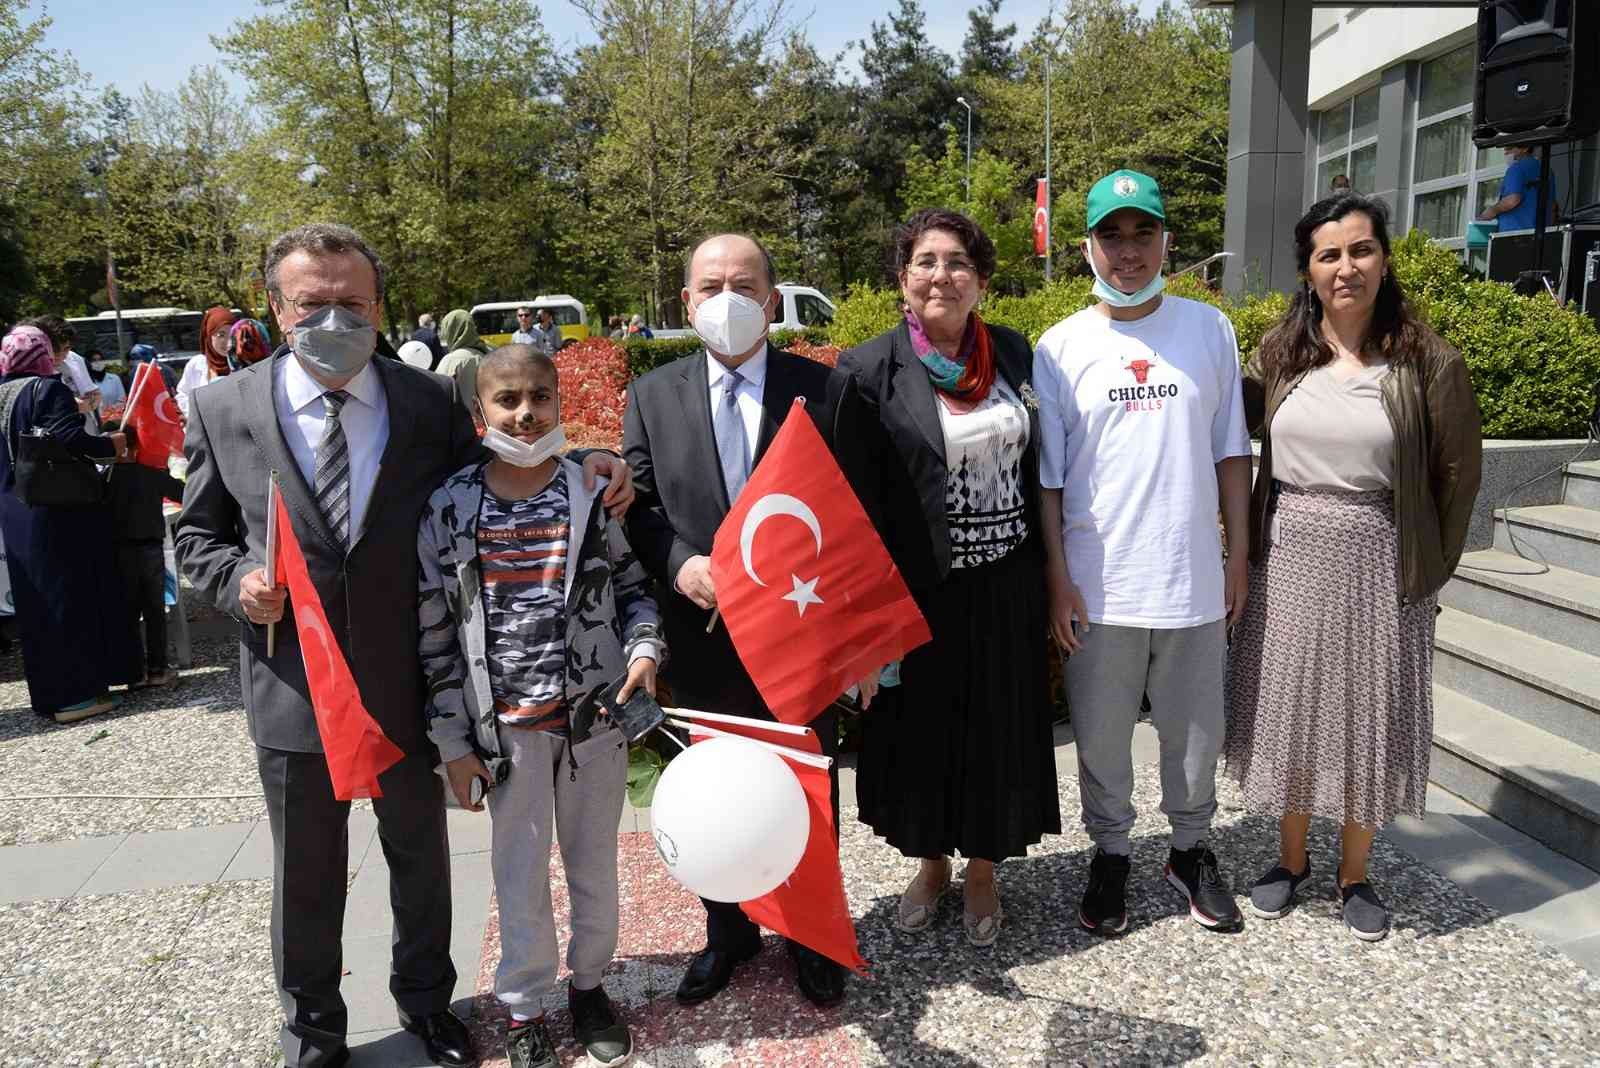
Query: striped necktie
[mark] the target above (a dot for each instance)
(333, 468)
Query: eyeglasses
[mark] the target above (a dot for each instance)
(927, 267)
(311, 306)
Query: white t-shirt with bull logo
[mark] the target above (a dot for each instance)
(1133, 419)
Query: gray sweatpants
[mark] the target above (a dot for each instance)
(543, 795)
(1182, 671)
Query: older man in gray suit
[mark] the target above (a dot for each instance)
(358, 445)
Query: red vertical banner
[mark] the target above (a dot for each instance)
(1041, 218)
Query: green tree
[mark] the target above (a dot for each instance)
(906, 100)
(688, 113)
(995, 205)
(987, 50)
(1149, 93)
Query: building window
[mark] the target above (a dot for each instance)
(1449, 179)
(1347, 143)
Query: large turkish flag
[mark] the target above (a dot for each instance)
(152, 411)
(807, 591)
(355, 747)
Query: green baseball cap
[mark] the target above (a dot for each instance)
(1124, 189)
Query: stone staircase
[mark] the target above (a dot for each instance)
(1517, 672)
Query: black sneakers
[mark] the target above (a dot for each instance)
(597, 1028)
(1193, 873)
(1105, 910)
(529, 1045)
(1272, 896)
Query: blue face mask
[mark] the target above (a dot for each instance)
(1110, 294)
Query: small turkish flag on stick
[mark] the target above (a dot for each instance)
(807, 591)
(153, 412)
(354, 745)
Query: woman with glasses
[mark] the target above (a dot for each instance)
(212, 361)
(957, 748)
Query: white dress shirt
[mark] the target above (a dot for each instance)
(365, 419)
(196, 373)
(747, 396)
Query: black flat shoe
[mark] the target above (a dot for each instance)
(445, 1037)
(710, 971)
(820, 979)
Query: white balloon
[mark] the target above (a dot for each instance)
(730, 819)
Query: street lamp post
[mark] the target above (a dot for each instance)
(963, 102)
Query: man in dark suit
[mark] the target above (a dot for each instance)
(358, 445)
(692, 433)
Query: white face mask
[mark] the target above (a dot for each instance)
(730, 323)
(1110, 294)
(520, 453)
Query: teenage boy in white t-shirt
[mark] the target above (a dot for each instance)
(1143, 436)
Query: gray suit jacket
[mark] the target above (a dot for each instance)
(233, 442)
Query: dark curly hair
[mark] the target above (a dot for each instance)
(969, 233)
(1296, 344)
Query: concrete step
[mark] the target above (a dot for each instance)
(1549, 686)
(1563, 535)
(1581, 486)
(1548, 602)
(1542, 785)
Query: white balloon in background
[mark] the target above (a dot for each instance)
(730, 819)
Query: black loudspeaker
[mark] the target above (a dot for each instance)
(1538, 72)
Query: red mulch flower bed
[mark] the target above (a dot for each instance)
(594, 382)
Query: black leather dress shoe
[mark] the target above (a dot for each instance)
(445, 1036)
(820, 979)
(710, 971)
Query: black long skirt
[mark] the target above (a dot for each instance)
(960, 756)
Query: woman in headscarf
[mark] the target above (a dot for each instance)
(212, 361)
(463, 351)
(248, 343)
(68, 598)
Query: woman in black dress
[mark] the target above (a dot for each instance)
(958, 756)
(69, 600)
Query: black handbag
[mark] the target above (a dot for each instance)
(48, 474)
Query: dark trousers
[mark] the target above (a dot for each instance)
(310, 852)
(144, 577)
(727, 927)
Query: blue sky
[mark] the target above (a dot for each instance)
(157, 42)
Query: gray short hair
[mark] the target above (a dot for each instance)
(766, 258)
(318, 238)
(425, 320)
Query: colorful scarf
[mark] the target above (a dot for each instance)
(247, 342)
(27, 350)
(216, 318)
(966, 378)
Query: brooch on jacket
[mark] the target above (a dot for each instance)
(1030, 399)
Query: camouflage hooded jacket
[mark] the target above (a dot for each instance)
(611, 617)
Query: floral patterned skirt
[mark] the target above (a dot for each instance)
(1330, 677)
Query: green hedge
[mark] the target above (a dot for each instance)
(1534, 364)
(646, 356)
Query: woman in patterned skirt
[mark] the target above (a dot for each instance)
(1370, 457)
(958, 756)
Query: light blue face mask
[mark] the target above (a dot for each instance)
(1115, 297)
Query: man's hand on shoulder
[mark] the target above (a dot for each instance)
(619, 494)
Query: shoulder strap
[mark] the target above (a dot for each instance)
(9, 392)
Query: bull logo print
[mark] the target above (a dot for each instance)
(1140, 369)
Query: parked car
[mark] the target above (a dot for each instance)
(802, 308)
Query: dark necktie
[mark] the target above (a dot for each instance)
(333, 468)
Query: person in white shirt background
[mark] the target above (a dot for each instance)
(1143, 436)
(212, 360)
